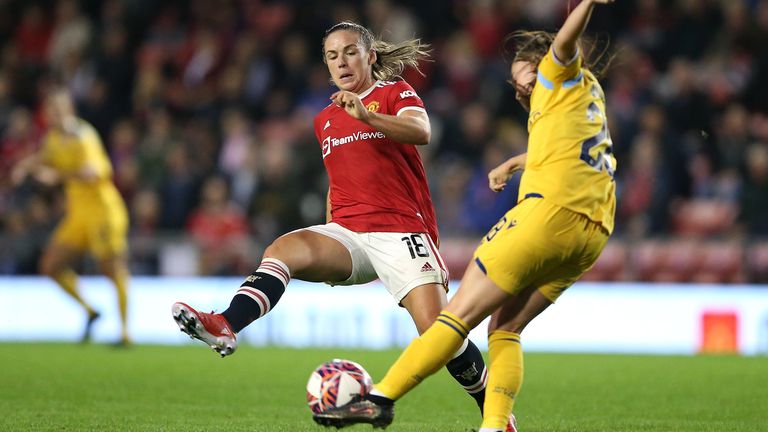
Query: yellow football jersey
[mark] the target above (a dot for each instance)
(68, 152)
(570, 160)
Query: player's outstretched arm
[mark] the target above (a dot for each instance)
(410, 127)
(564, 45)
(23, 169)
(33, 166)
(499, 176)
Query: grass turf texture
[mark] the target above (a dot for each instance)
(59, 387)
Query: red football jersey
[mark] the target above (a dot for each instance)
(377, 184)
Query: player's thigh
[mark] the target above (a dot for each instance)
(424, 304)
(58, 256)
(71, 232)
(67, 243)
(515, 314)
(404, 261)
(108, 238)
(532, 239)
(317, 254)
(477, 297)
(552, 284)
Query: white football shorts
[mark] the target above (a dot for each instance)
(402, 261)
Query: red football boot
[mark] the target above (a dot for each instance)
(512, 424)
(211, 328)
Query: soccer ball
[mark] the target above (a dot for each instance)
(335, 383)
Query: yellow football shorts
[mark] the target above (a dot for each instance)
(100, 234)
(540, 244)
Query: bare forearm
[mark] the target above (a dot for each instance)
(328, 206)
(516, 163)
(404, 129)
(574, 26)
(24, 168)
(29, 163)
(49, 176)
(499, 176)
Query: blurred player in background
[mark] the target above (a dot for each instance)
(539, 248)
(380, 219)
(96, 220)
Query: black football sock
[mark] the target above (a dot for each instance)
(468, 368)
(258, 294)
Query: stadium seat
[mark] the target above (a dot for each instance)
(703, 217)
(646, 259)
(720, 262)
(757, 263)
(681, 258)
(656, 261)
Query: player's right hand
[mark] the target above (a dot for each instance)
(498, 178)
(351, 103)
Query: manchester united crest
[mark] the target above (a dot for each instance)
(373, 106)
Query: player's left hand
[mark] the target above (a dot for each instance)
(351, 103)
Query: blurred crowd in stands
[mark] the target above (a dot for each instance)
(206, 108)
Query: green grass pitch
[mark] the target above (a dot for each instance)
(61, 387)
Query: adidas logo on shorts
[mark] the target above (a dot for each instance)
(427, 267)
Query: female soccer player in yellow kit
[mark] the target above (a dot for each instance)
(539, 248)
(96, 220)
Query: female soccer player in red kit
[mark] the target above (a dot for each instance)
(380, 219)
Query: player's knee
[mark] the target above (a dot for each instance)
(47, 265)
(277, 249)
(517, 327)
(45, 268)
(107, 269)
(514, 325)
(288, 251)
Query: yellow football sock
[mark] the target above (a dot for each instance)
(121, 284)
(424, 356)
(505, 376)
(67, 279)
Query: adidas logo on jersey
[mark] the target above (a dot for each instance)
(327, 124)
(427, 267)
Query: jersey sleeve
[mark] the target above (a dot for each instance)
(554, 71)
(94, 154)
(403, 98)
